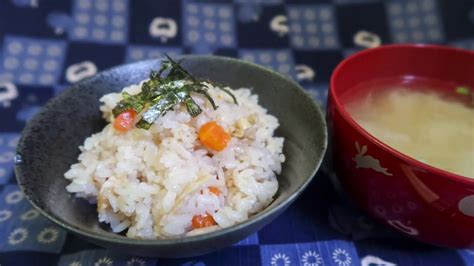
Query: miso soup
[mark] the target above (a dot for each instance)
(428, 120)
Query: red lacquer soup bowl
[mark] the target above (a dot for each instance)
(418, 200)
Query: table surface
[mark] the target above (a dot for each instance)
(46, 45)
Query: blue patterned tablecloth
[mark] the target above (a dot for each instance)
(46, 45)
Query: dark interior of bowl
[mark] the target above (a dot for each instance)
(435, 63)
(49, 144)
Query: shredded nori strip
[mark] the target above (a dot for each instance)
(169, 86)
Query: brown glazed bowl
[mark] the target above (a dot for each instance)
(50, 141)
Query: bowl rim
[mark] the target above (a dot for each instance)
(348, 118)
(265, 213)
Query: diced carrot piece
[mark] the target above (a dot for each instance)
(215, 191)
(213, 136)
(125, 121)
(201, 221)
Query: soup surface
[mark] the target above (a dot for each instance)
(428, 120)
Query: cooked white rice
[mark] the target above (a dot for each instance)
(152, 182)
